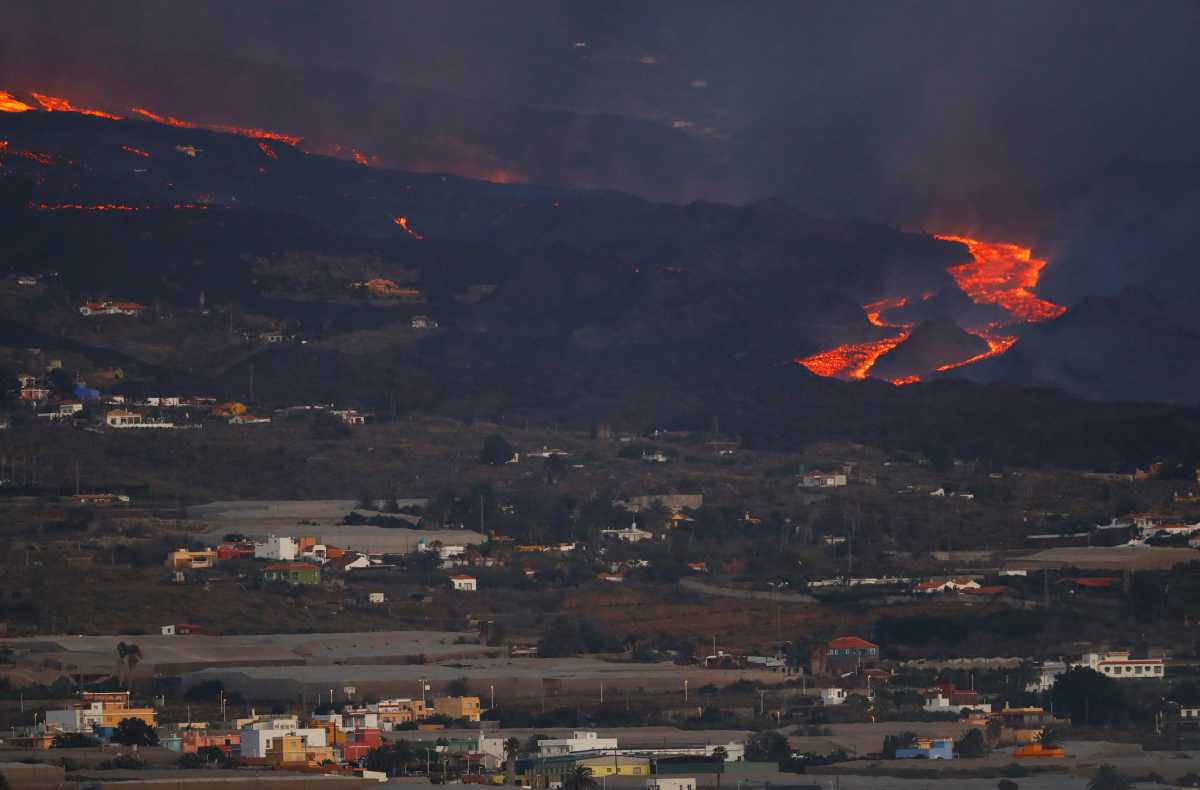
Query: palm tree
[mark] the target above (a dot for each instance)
(128, 656)
(512, 748)
(721, 754)
(579, 778)
(1109, 778)
(404, 755)
(1051, 736)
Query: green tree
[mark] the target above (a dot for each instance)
(191, 760)
(1088, 697)
(512, 750)
(555, 469)
(972, 744)
(579, 778)
(1109, 778)
(891, 743)
(73, 740)
(767, 746)
(129, 655)
(1052, 736)
(404, 755)
(135, 732)
(496, 451)
(1007, 784)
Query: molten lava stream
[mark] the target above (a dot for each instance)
(875, 311)
(10, 103)
(996, 346)
(55, 104)
(403, 223)
(853, 360)
(1003, 274)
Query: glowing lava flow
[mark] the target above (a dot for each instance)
(129, 149)
(1003, 274)
(258, 134)
(855, 360)
(1000, 274)
(55, 104)
(403, 223)
(9, 103)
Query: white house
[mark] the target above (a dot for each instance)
(1118, 665)
(463, 583)
(817, 479)
(580, 741)
(257, 738)
(630, 534)
(671, 783)
(281, 549)
(833, 696)
(130, 419)
(940, 703)
(376, 597)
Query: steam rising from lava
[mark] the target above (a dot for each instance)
(1000, 274)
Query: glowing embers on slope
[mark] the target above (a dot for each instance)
(1006, 275)
(258, 134)
(34, 156)
(403, 223)
(56, 104)
(129, 149)
(113, 207)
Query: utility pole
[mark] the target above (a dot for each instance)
(252, 382)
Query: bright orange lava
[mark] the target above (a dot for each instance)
(875, 310)
(268, 150)
(1004, 274)
(1000, 274)
(10, 103)
(55, 104)
(403, 223)
(997, 345)
(129, 149)
(853, 360)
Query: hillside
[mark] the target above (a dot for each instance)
(549, 304)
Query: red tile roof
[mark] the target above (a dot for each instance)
(1094, 581)
(852, 642)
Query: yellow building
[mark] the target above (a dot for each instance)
(401, 711)
(457, 707)
(290, 750)
(617, 765)
(182, 559)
